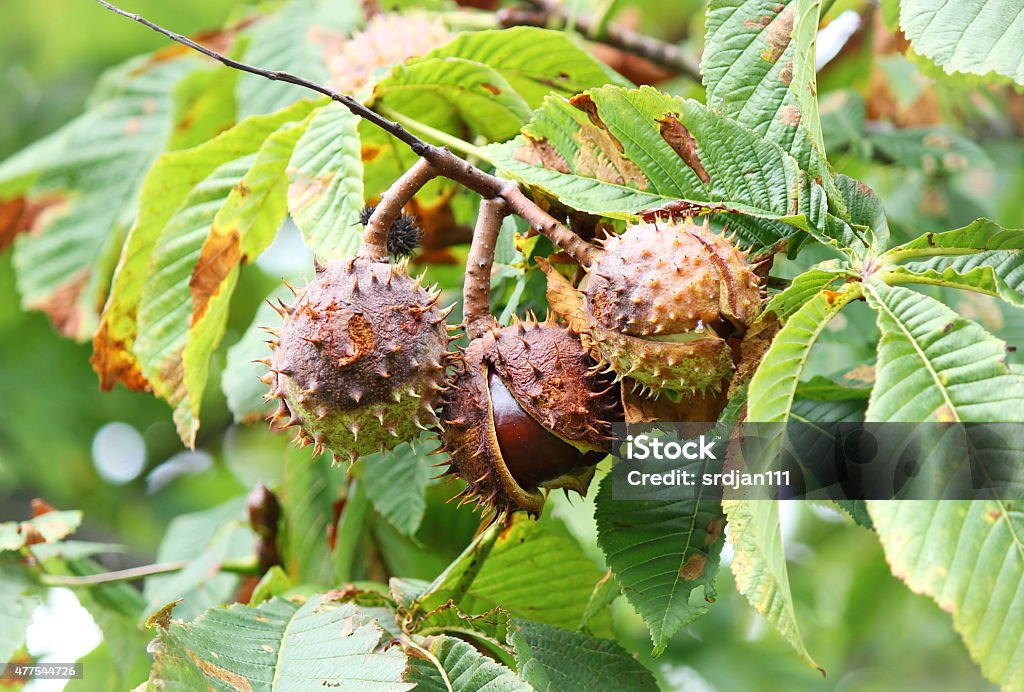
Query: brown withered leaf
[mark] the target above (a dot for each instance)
(113, 362)
(779, 32)
(220, 254)
(683, 143)
(540, 152)
(755, 344)
(600, 157)
(564, 300)
(27, 214)
(63, 307)
(41, 506)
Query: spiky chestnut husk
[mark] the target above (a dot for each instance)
(526, 411)
(404, 236)
(360, 359)
(661, 301)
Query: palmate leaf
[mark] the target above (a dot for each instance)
(969, 557)
(661, 551)
(465, 669)
(88, 182)
(277, 646)
(552, 658)
(982, 256)
(395, 483)
(978, 37)
(616, 152)
(934, 365)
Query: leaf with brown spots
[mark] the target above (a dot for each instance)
(683, 143)
(662, 550)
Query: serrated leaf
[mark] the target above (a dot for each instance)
(977, 37)
(296, 38)
(982, 256)
(492, 626)
(774, 385)
(326, 191)
(864, 208)
(277, 646)
(554, 557)
(552, 658)
(536, 62)
(450, 93)
(89, 187)
(661, 551)
(465, 669)
(227, 220)
(969, 558)
(616, 152)
(933, 365)
(396, 482)
(759, 566)
(167, 185)
(802, 289)
(206, 540)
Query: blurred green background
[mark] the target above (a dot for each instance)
(117, 457)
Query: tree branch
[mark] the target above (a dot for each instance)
(375, 238)
(476, 291)
(552, 15)
(444, 162)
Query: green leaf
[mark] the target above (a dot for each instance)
(396, 482)
(227, 220)
(309, 490)
(279, 645)
(478, 583)
(552, 658)
(977, 37)
(240, 380)
(616, 152)
(981, 257)
(773, 387)
(296, 39)
(275, 582)
(44, 528)
(535, 62)
(934, 150)
(865, 209)
(969, 558)
(934, 365)
(18, 599)
(465, 669)
(661, 551)
(326, 191)
(446, 93)
(206, 540)
(90, 185)
(164, 192)
(759, 69)
(759, 566)
(803, 288)
(491, 627)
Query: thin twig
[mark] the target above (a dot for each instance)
(130, 574)
(444, 162)
(476, 291)
(553, 15)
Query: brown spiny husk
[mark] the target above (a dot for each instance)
(360, 359)
(661, 303)
(526, 411)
